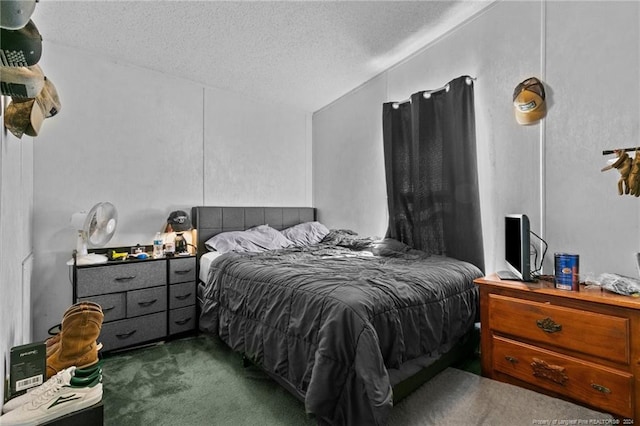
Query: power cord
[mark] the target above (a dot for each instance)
(536, 272)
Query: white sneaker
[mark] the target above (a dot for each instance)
(61, 396)
(63, 376)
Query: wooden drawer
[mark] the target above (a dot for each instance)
(96, 280)
(603, 387)
(182, 270)
(181, 295)
(182, 319)
(118, 334)
(113, 305)
(600, 335)
(146, 301)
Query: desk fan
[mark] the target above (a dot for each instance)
(95, 229)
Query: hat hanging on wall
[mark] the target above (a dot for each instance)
(21, 82)
(14, 14)
(25, 116)
(22, 47)
(529, 101)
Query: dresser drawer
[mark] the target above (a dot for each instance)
(113, 305)
(182, 319)
(121, 277)
(182, 270)
(600, 335)
(181, 295)
(600, 386)
(118, 334)
(146, 301)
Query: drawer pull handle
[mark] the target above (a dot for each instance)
(600, 388)
(511, 359)
(183, 271)
(147, 304)
(544, 370)
(129, 278)
(108, 309)
(548, 325)
(125, 335)
(183, 321)
(183, 297)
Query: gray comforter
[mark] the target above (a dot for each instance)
(330, 321)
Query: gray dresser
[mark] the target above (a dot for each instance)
(142, 300)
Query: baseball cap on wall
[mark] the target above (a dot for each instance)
(25, 116)
(22, 47)
(529, 101)
(14, 14)
(21, 82)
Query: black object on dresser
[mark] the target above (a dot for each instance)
(143, 300)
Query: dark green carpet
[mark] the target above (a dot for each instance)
(200, 381)
(192, 381)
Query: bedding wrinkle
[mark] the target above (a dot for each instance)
(331, 321)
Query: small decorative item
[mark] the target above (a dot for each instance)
(567, 271)
(179, 222)
(629, 182)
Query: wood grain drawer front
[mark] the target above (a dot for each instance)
(603, 387)
(113, 305)
(600, 335)
(146, 301)
(118, 334)
(182, 270)
(120, 277)
(181, 295)
(182, 319)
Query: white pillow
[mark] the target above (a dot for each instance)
(260, 238)
(305, 234)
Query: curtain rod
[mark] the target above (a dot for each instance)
(613, 151)
(427, 93)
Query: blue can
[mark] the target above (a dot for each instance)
(567, 268)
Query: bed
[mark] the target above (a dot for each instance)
(349, 325)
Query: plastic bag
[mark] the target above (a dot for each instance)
(620, 284)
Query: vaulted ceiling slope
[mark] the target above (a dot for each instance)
(304, 54)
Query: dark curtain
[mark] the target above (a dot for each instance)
(431, 172)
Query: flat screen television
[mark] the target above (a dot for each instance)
(516, 246)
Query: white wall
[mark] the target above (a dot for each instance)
(16, 203)
(150, 143)
(596, 106)
(586, 53)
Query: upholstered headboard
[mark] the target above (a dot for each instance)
(211, 220)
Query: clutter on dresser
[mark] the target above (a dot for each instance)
(179, 222)
(179, 235)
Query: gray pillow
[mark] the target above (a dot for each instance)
(260, 238)
(305, 234)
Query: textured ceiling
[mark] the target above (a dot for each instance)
(304, 54)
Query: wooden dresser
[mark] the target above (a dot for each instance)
(582, 346)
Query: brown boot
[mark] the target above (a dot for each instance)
(52, 342)
(77, 345)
